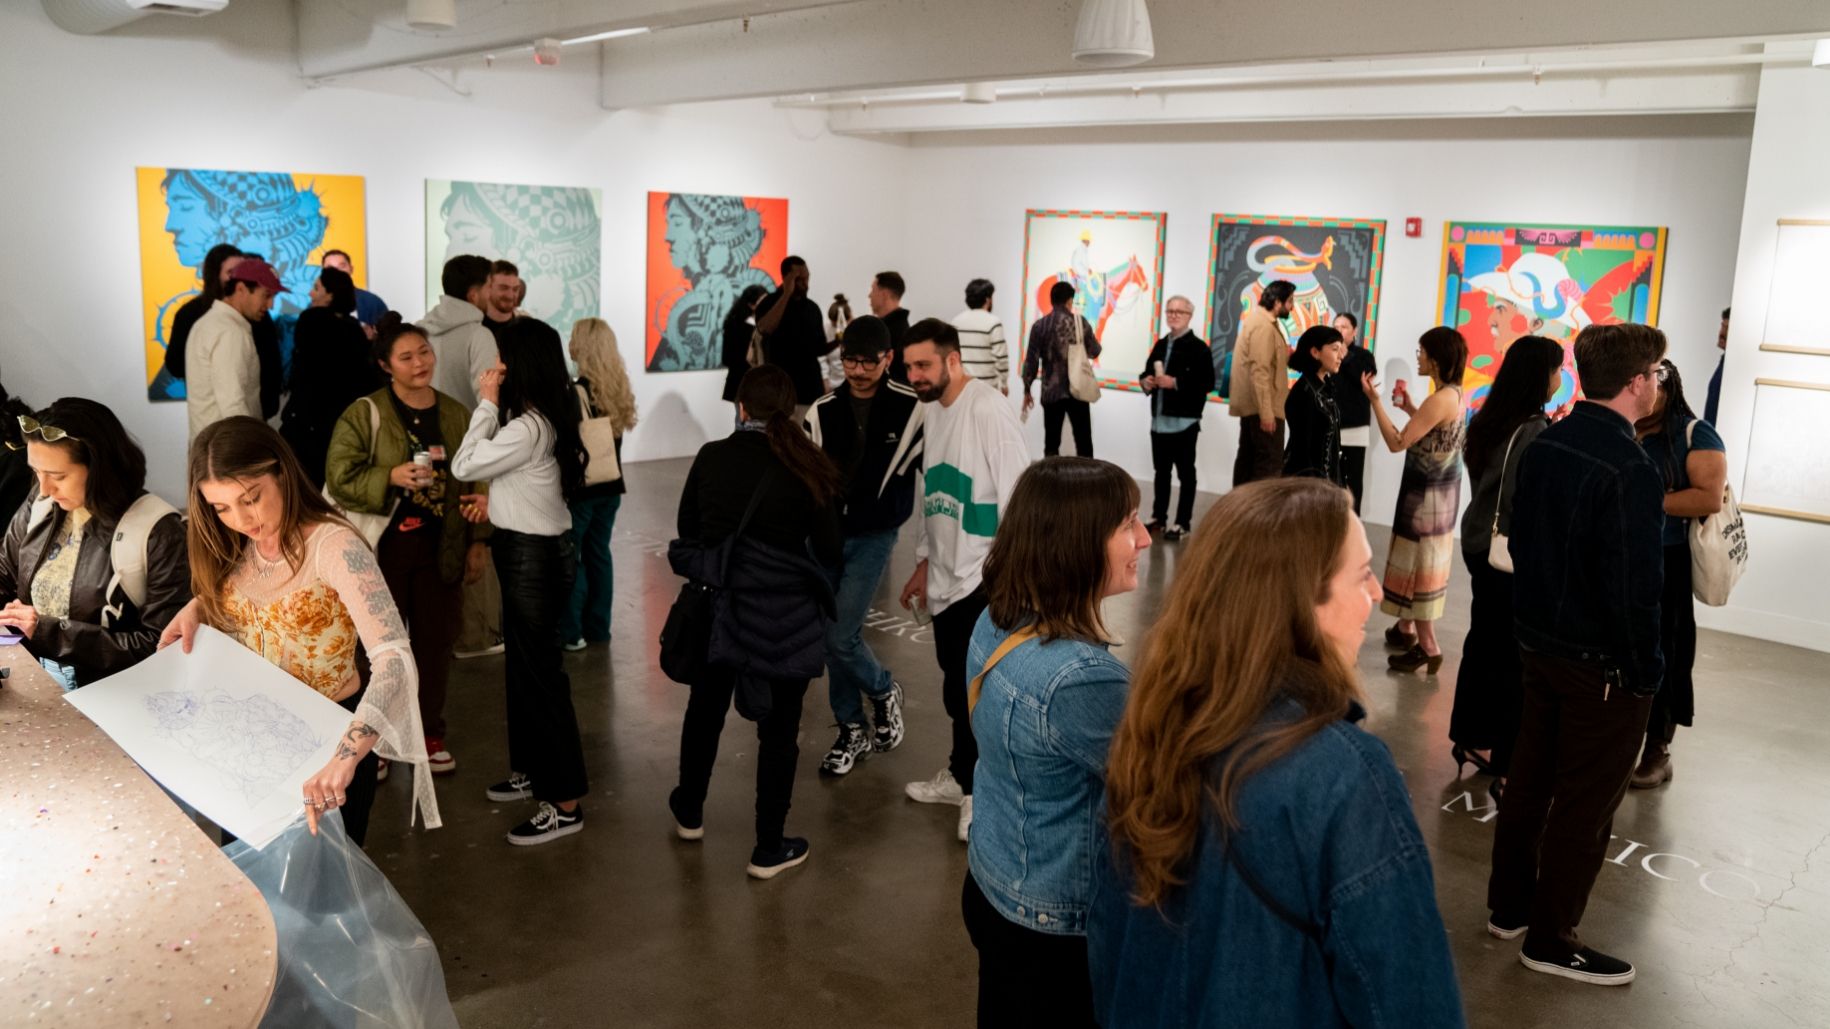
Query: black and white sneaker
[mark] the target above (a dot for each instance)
(846, 750)
(886, 716)
(1505, 929)
(1175, 532)
(1584, 966)
(547, 825)
(515, 787)
(688, 825)
(769, 864)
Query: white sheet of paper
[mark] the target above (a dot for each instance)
(222, 728)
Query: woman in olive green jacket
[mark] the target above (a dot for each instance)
(389, 465)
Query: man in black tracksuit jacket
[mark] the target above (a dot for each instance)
(871, 428)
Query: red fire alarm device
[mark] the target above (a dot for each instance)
(1413, 227)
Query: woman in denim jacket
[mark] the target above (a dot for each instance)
(1265, 868)
(1047, 696)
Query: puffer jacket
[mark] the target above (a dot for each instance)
(102, 634)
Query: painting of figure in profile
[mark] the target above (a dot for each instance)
(703, 251)
(553, 234)
(288, 218)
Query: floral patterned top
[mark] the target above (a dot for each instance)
(57, 574)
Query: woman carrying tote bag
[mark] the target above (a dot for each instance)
(608, 409)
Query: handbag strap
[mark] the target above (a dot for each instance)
(1272, 904)
(1011, 642)
(1500, 498)
(586, 410)
(730, 542)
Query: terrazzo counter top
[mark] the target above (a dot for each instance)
(115, 909)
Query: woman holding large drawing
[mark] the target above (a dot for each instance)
(276, 567)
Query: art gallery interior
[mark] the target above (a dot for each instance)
(916, 135)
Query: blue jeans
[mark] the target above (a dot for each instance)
(851, 668)
(587, 615)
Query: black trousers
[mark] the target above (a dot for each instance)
(1026, 978)
(1077, 411)
(1578, 740)
(1675, 703)
(433, 610)
(952, 632)
(1488, 690)
(776, 755)
(1353, 469)
(543, 739)
(1174, 450)
(359, 799)
(1261, 453)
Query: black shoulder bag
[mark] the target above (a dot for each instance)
(686, 638)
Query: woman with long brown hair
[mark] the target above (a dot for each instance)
(276, 567)
(759, 519)
(1049, 696)
(1265, 868)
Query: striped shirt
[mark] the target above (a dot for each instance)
(981, 346)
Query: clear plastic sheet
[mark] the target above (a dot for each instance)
(351, 953)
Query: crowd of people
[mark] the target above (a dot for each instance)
(454, 477)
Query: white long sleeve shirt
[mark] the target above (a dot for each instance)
(517, 461)
(982, 349)
(223, 369)
(972, 458)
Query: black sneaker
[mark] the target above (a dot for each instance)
(886, 718)
(1156, 526)
(547, 825)
(1175, 532)
(1506, 928)
(1584, 966)
(688, 825)
(515, 787)
(846, 750)
(768, 865)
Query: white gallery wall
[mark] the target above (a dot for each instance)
(968, 193)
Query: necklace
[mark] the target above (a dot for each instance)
(263, 567)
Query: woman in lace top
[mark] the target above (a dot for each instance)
(275, 566)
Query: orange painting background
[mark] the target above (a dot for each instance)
(666, 284)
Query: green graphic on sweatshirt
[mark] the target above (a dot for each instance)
(948, 491)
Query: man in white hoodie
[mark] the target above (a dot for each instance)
(972, 459)
(464, 347)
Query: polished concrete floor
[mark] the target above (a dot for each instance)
(1719, 886)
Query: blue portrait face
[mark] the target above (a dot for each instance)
(682, 240)
(187, 218)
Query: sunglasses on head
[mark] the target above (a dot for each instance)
(49, 433)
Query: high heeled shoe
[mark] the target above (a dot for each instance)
(1413, 659)
(1464, 756)
(1398, 639)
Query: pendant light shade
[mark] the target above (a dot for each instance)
(1820, 56)
(432, 14)
(1113, 34)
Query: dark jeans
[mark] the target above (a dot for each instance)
(776, 754)
(543, 740)
(952, 632)
(1174, 450)
(1353, 469)
(1675, 703)
(1077, 411)
(587, 614)
(432, 609)
(1261, 453)
(1026, 978)
(1488, 693)
(1578, 740)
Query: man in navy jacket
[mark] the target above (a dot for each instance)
(871, 428)
(1587, 521)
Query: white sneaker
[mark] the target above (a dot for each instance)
(942, 789)
(576, 645)
(497, 647)
(965, 819)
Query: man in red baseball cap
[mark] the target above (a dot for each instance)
(222, 368)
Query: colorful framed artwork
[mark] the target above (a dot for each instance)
(289, 218)
(704, 250)
(1504, 280)
(552, 234)
(1335, 264)
(1115, 261)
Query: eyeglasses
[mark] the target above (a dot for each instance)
(1185, 314)
(1659, 373)
(50, 433)
(860, 363)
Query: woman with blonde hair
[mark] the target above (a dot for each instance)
(604, 392)
(1264, 867)
(275, 566)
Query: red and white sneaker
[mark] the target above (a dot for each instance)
(381, 769)
(439, 758)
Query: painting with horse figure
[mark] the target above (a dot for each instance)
(1334, 263)
(1114, 259)
(1504, 280)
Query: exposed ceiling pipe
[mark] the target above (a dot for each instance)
(87, 17)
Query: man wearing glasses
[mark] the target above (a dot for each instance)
(1587, 524)
(1178, 376)
(871, 428)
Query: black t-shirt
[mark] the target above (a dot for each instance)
(421, 508)
(497, 328)
(897, 322)
(797, 344)
(861, 413)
